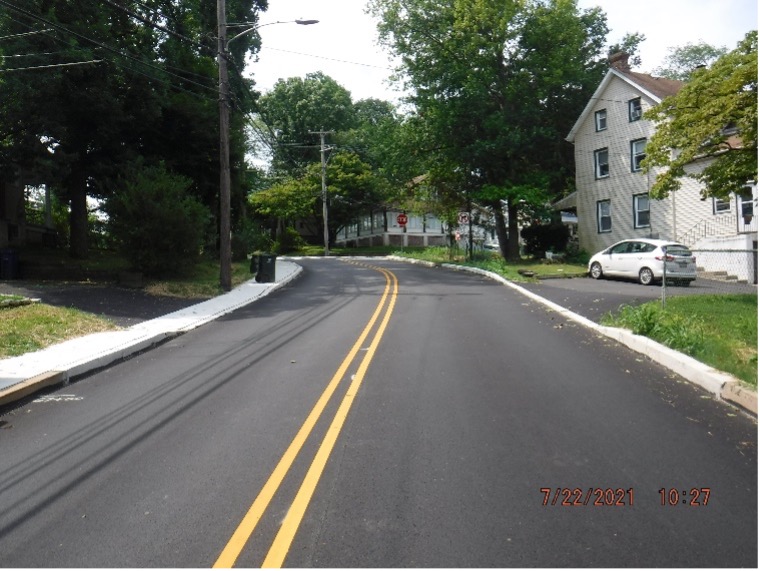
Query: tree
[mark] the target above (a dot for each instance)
(682, 61)
(156, 224)
(294, 110)
(498, 85)
(713, 116)
(351, 186)
(630, 45)
(152, 94)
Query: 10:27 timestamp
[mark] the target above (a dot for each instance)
(692, 497)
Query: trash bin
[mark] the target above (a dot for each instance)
(9, 265)
(254, 263)
(265, 272)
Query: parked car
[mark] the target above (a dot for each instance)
(643, 259)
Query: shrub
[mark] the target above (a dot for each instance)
(542, 237)
(249, 237)
(157, 226)
(289, 241)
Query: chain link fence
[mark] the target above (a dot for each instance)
(718, 271)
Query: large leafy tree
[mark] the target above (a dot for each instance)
(297, 108)
(152, 94)
(352, 188)
(682, 61)
(713, 116)
(498, 85)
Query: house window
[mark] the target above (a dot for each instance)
(637, 154)
(603, 216)
(600, 118)
(721, 205)
(634, 109)
(641, 211)
(601, 163)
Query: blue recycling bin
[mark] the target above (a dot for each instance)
(9, 266)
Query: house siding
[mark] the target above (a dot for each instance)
(672, 218)
(621, 185)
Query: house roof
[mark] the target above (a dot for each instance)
(655, 88)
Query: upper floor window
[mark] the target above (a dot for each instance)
(641, 211)
(637, 154)
(600, 120)
(634, 109)
(601, 163)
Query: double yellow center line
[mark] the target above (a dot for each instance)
(279, 548)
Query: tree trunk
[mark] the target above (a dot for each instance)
(509, 241)
(78, 246)
(501, 229)
(513, 254)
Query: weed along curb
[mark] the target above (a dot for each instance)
(722, 385)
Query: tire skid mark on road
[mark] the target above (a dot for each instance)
(289, 527)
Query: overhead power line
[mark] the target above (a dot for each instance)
(327, 58)
(102, 45)
(51, 65)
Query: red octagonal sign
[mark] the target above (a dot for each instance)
(402, 219)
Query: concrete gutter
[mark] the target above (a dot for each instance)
(723, 386)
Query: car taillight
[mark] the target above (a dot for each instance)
(668, 258)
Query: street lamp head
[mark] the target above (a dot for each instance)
(306, 22)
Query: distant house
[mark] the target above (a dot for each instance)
(25, 216)
(612, 193)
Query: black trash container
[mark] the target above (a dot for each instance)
(254, 263)
(265, 273)
(9, 264)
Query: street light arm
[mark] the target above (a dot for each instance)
(254, 28)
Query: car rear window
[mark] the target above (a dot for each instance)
(678, 250)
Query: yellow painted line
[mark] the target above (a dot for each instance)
(282, 542)
(245, 529)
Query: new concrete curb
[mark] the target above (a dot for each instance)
(722, 385)
(26, 374)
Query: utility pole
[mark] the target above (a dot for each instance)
(225, 239)
(225, 230)
(322, 150)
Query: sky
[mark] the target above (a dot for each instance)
(343, 45)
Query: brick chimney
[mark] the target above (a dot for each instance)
(619, 61)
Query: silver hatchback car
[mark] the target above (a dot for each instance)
(645, 260)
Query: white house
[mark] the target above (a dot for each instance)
(612, 192)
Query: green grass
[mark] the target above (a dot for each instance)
(493, 262)
(33, 327)
(718, 330)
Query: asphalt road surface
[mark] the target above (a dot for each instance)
(379, 414)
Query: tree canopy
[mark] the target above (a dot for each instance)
(497, 84)
(297, 108)
(150, 91)
(682, 61)
(714, 116)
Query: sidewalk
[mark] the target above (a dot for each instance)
(25, 374)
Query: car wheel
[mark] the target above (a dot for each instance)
(646, 277)
(596, 270)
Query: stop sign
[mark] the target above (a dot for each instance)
(402, 219)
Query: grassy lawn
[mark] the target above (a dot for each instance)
(28, 328)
